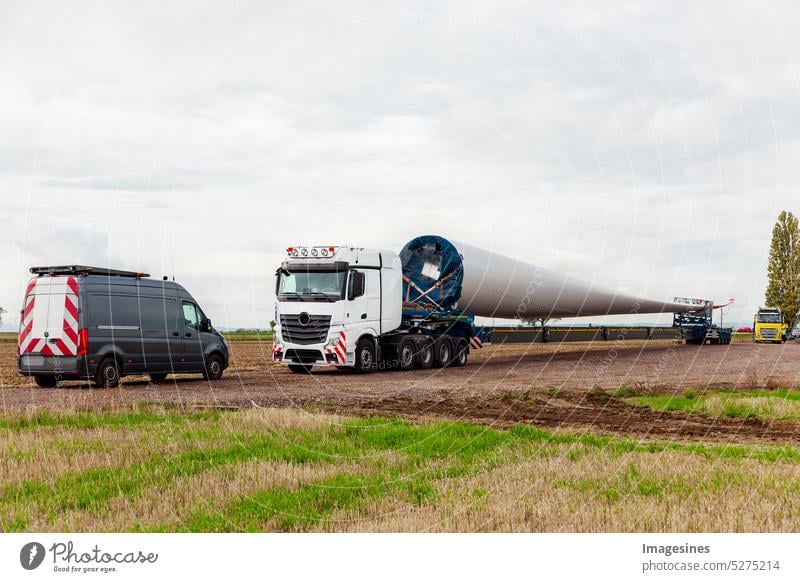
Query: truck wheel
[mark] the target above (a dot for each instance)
(462, 354)
(45, 381)
(443, 353)
(300, 368)
(365, 355)
(107, 374)
(156, 378)
(406, 355)
(213, 368)
(425, 356)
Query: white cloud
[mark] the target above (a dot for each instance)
(647, 146)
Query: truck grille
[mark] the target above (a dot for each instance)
(314, 331)
(769, 333)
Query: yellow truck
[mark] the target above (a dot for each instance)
(770, 326)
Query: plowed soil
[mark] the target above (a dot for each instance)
(572, 386)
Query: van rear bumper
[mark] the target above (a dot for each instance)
(64, 366)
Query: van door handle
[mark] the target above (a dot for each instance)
(175, 333)
(363, 316)
(188, 334)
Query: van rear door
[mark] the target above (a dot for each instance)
(49, 322)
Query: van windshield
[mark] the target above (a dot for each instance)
(769, 318)
(311, 285)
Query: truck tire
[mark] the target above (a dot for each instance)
(425, 356)
(442, 352)
(300, 368)
(365, 355)
(107, 375)
(213, 367)
(406, 355)
(45, 381)
(462, 353)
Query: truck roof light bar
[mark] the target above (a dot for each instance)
(85, 270)
(311, 252)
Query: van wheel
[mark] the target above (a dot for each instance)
(107, 374)
(156, 378)
(443, 353)
(300, 368)
(45, 381)
(365, 355)
(462, 354)
(425, 356)
(213, 369)
(406, 355)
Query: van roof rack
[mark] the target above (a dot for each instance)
(85, 270)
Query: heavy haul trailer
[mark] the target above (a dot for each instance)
(371, 309)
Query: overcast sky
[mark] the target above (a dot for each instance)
(644, 145)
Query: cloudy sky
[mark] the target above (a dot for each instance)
(645, 145)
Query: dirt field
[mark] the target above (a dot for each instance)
(570, 385)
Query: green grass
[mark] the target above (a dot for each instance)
(399, 459)
(726, 403)
(8, 337)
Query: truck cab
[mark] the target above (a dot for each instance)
(334, 304)
(769, 325)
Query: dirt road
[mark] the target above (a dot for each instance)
(569, 385)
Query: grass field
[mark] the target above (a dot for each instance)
(167, 469)
(779, 404)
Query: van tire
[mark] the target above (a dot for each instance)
(366, 355)
(107, 375)
(442, 353)
(156, 378)
(300, 368)
(214, 367)
(45, 381)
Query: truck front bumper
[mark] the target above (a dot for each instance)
(332, 353)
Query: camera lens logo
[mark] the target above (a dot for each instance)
(31, 555)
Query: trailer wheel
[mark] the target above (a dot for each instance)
(45, 381)
(406, 355)
(425, 356)
(107, 374)
(365, 355)
(443, 353)
(462, 354)
(300, 368)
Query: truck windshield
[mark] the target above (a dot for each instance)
(311, 285)
(769, 318)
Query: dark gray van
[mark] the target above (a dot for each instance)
(101, 324)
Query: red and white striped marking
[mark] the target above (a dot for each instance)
(61, 340)
(277, 353)
(475, 342)
(341, 349)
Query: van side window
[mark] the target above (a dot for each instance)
(190, 315)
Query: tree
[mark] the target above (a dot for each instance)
(538, 321)
(783, 290)
(2, 311)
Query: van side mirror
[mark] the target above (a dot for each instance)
(207, 325)
(357, 283)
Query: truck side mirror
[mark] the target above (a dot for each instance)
(356, 285)
(207, 325)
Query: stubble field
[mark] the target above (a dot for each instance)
(658, 437)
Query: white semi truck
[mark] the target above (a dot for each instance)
(373, 309)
